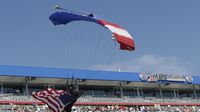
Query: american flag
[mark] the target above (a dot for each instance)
(57, 100)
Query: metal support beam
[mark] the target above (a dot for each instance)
(138, 92)
(49, 85)
(175, 91)
(27, 79)
(2, 88)
(194, 90)
(160, 90)
(76, 85)
(92, 92)
(27, 91)
(121, 90)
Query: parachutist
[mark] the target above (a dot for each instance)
(91, 15)
(56, 7)
(113, 38)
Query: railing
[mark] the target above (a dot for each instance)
(138, 100)
(18, 98)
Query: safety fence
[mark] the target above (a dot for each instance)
(89, 100)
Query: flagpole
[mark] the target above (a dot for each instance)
(67, 85)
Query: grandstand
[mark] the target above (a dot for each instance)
(101, 88)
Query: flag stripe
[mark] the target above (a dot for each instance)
(59, 103)
(46, 102)
(51, 100)
(56, 100)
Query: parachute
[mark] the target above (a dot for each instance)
(121, 35)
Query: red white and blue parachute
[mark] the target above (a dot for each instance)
(121, 35)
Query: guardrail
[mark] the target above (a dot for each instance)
(106, 100)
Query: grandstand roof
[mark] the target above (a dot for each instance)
(42, 72)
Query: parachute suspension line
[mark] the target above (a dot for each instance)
(65, 54)
(89, 56)
(97, 44)
(117, 61)
(117, 54)
(67, 51)
(95, 40)
(114, 40)
(66, 16)
(80, 40)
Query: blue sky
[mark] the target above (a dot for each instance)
(166, 34)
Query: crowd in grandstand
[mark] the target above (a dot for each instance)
(44, 108)
(23, 108)
(133, 109)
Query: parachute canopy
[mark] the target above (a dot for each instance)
(121, 35)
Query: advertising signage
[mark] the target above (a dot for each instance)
(155, 77)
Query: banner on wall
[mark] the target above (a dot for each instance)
(155, 77)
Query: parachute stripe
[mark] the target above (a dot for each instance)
(125, 43)
(123, 37)
(103, 22)
(118, 31)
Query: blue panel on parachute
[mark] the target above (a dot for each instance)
(65, 17)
